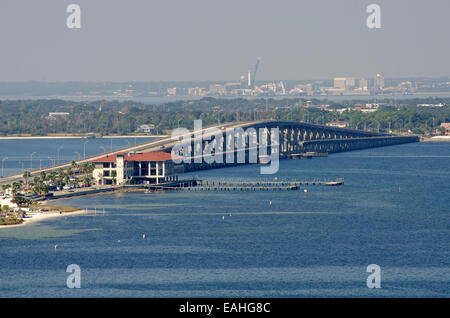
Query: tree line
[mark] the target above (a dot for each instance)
(125, 117)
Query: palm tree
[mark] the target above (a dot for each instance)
(86, 168)
(114, 175)
(5, 187)
(26, 175)
(15, 187)
(66, 179)
(91, 167)
(74, 165)
(52, 176)
(61, 173)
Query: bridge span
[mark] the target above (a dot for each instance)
(294, 137)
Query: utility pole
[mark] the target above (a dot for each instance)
(31, 160)
(84, 149)
(3, 160)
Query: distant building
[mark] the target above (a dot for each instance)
(171, 91)
(446, 126)
(379, 82)
(309, 89)
(343, 83)
(147, 128)
(146, 167)
(430, 105)
(55, 115)
(196, 91)
(363, 85)
(339, 124)
(217, 89)
(230, 86)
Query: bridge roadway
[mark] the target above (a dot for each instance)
(145, 147)
(294, 137)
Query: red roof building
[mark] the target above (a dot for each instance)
(140, 167)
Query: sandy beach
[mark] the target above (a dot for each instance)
(437, 139)
(41, 216)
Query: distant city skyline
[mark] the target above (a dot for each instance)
(201, 40)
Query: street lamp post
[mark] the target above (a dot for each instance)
(104, 150)
(31, 160)
(84, 149)
(59, 148)
(78, 155)
(3, 160)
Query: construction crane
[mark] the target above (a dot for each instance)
(252, 79)
(283, 88)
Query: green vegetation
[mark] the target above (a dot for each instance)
(113, 117)
(10, 220)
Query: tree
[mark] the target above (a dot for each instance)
(21, 201)
(114, 175)
(5, 187)
(26, 176)
(15, 187)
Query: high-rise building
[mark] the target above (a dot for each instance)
(363, 85)
(379, 82)
(344, 83)
(217, 89)
(309, 89)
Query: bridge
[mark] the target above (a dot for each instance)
(294, 138)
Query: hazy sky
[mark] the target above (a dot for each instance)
(164, 40)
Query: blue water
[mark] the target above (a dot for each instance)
(393, 211)
(51, 151)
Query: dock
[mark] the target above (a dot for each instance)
(200, 185)
(260, 185)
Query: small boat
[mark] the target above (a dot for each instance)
(335, 183)
(264, 159)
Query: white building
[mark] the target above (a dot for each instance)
(339, 124)
(55, 115)
(146, 167)
(147, 128)
(344, 83)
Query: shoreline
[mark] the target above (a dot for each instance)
(78, 137)
(41, 216)
(437, 139)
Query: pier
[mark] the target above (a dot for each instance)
(259, 185)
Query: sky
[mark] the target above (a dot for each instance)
(197, 40)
